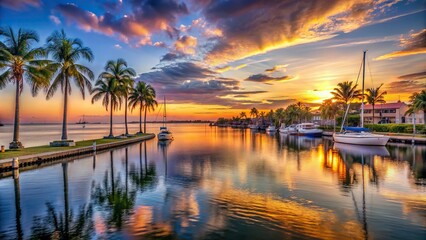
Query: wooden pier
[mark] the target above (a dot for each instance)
(27, 162)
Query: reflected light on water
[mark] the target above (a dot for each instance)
(216, 183)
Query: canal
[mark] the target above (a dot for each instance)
(222, 183)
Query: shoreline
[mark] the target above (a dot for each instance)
(52, 155)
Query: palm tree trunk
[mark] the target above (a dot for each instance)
(373, 112)
(15, 143)
(64, 120)
(110, 122)
(125, 116)
(140, 118)
(144, 121)
(424, 117)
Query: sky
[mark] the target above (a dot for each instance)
(214, 59)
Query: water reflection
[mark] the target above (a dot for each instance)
(227, 184)
(113, 198)
(63, 225)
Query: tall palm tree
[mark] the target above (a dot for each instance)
(254, 112)
(20, 60)
(374, 95)
(109, 89)
(345, 91)
(150, 105)
(144, 96)
(65, 53)
(418, 103)
(118, 69)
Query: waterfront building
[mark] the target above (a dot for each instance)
(391, 113)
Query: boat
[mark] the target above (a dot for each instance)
(81, 121)
(359, 135)
(308, 129)
(164, 134)
(288, 130)
(271, 129)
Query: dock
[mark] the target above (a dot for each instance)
(27, 162)
(393, 137)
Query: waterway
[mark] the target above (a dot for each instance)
(219, 183)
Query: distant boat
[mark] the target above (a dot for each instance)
(271, 129)
(164, 134)
(360, 135)
(308, 129)
(82, 121)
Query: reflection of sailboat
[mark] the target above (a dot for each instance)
(360, 136)
(164, 145)
(357, 150)
(164, 134)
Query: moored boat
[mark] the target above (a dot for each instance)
(271, 129)
(308, 129)
(164, 134)
(360, 135)
(288, 130)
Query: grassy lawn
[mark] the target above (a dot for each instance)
(47, 148)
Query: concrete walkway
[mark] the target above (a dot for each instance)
(37, 159)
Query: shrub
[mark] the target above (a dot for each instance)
(396, 128)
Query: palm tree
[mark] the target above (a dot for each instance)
(144, 96)
(19, 60)
(109, 89)
(65, 53)
(418, 102)
(118, 69)
(374, 96)
(329, 110)
(345, 91)
(254, 112)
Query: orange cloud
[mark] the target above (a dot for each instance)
(247, 31)
(186, 44)
(414, 43)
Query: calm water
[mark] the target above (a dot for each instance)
(214, 183)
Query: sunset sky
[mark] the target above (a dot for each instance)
(216, 58)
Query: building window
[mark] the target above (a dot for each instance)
(392, 111)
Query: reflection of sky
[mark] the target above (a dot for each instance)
(229, 183)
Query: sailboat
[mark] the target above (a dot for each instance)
(359, 135)
(81, 121)
(164, 134)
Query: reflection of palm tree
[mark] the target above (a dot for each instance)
(17, 187)
(114, 198)
(140, 179)
(63, 225)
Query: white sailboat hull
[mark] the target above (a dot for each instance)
(367, 139)
(165, 136)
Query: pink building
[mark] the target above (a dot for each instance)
(390, 113)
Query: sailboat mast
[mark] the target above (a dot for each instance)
(362, 101)
(164, 116)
